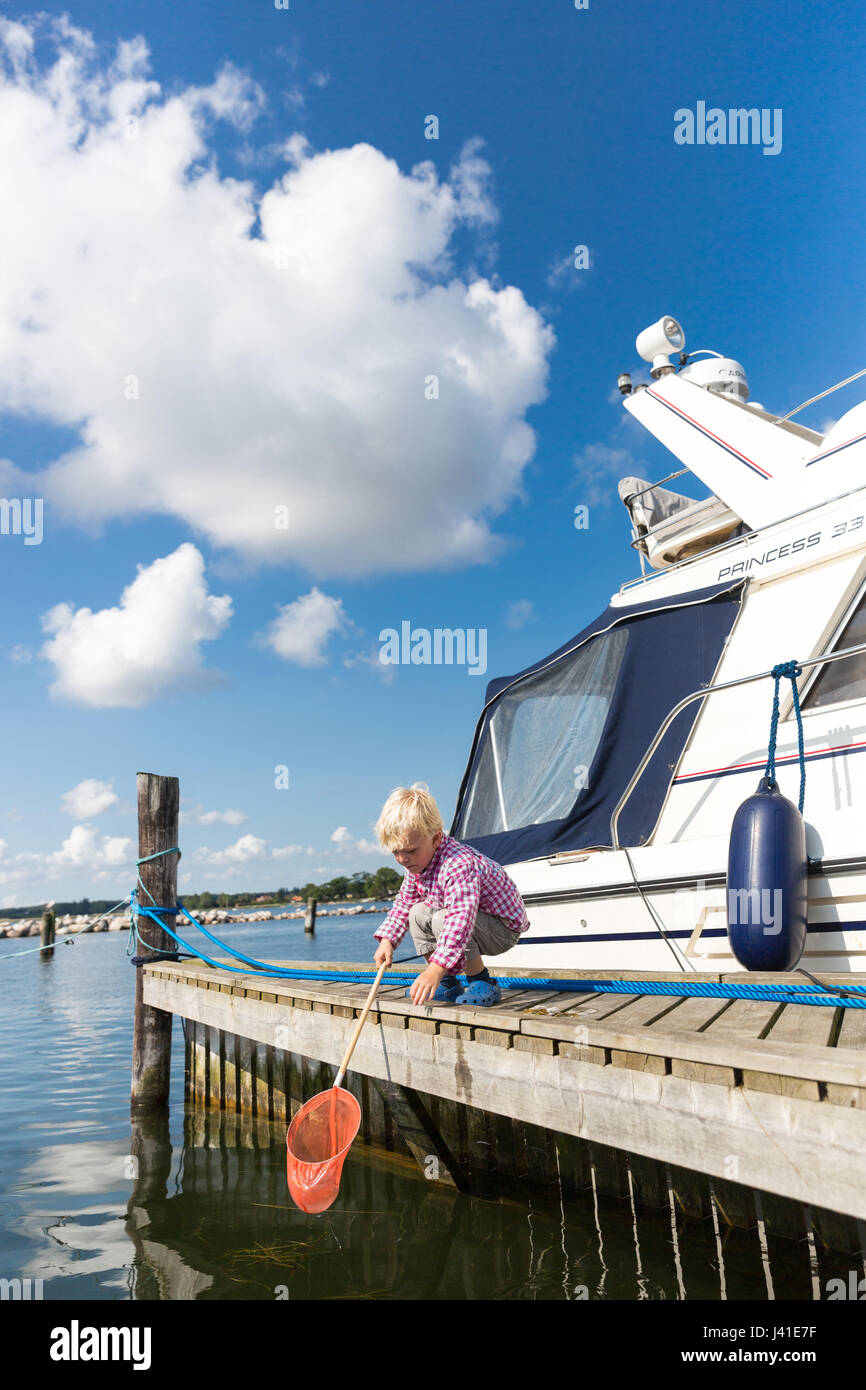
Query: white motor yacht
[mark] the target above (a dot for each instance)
(606, 775)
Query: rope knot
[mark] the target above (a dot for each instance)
(786, 668)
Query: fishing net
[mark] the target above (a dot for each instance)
(317, 1142)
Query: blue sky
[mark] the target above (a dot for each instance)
(163, 394)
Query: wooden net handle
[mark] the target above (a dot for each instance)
(351, 1048)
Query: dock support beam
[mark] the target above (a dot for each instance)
(158, 806)
(418, 1133)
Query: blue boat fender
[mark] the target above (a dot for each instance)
(767, 881)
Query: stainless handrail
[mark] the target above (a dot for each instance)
(780, 419)
(701, 695)
(734, 541)
(651, 487)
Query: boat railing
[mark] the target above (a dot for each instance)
(781, 419)
(702, 694)
(651, 487)
(733, 541)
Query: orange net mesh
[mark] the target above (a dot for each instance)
(317, 1142)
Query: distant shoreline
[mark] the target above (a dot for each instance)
(86, 923)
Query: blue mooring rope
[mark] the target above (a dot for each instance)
(792, 671)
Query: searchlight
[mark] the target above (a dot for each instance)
(656, 342)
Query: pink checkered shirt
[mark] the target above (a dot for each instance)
(463, 882)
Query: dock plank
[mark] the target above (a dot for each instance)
(743, 1019)
(558, 1003)
(637, 1017)
(852, 1034)
(797, 1024)
(694, 1016)
(853, 1030)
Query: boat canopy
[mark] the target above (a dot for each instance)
(556, 744)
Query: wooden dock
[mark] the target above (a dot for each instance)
(626, 1093)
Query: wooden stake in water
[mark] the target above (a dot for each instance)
(47, 933)
(310, 917)
(158, 805)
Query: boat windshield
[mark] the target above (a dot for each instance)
(540, 738)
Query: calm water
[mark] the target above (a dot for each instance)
(214, 1220)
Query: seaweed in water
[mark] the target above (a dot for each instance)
(289, 1254)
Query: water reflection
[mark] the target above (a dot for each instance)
(229, 1231)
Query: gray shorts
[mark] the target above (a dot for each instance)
(490, 936)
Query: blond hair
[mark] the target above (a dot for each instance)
(407, 808)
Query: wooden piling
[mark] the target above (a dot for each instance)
(158, 806)
(310, 917)
(47, 932)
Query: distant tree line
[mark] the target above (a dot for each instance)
(382, 884)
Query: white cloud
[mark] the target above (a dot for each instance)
(599, 469)
(301, 631)
(520, 612)
(21, 654)
(89, 798)
(233, 365)
(347, 844)
(243, 851)
(563, 270)
(199, 816)
(247, 850)
(146, 647)
(371, 659)
(83, 850)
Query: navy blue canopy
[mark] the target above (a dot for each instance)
(557, 744)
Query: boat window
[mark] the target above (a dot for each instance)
(540, 739)
(842, 680)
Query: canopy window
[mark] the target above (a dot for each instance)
(556, 744)
(842, 680)
(541, 739)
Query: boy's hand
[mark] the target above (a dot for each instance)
(426, 984)
(385, 953)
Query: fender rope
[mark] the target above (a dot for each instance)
(792, 671)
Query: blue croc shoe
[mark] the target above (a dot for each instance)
(481, 993)
(445, 994)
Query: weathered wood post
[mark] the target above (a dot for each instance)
(310, 917)
(158, 805)
(47, 932)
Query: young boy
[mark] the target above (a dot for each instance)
(456, 902)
